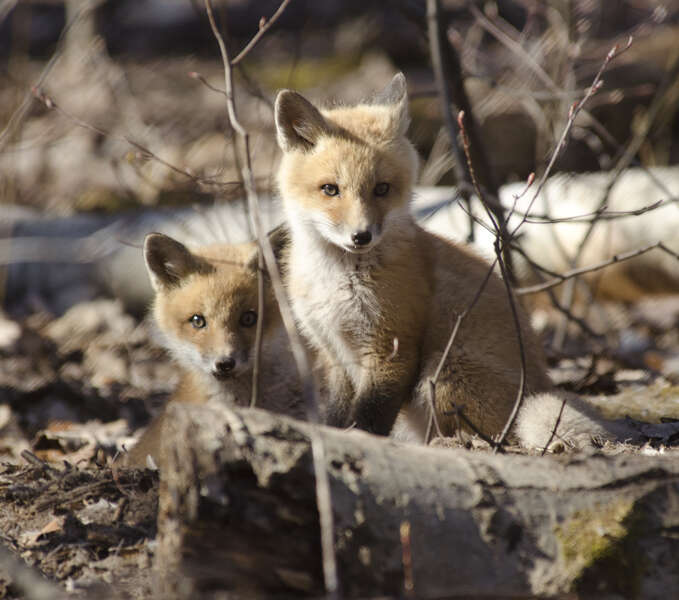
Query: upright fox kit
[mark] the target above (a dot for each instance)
(205, 310)
(375, 294)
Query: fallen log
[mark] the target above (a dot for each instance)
(237, 511)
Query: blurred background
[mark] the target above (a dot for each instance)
(133, 83)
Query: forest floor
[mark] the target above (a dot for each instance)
(75, 391)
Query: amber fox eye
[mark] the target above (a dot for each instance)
(248, 318)
(330, 189)
(381, 189)
(198, 321)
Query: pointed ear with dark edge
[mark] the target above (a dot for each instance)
(169, 261)
(299, 124)
(279, 239)
(395, 95)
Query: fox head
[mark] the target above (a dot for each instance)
(205, 303)
(346, 173)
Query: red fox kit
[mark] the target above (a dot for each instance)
(376, 296)
(205, 310)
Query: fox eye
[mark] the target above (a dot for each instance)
(330, 189)
(198, 321)
(381, 189)
(248, 318)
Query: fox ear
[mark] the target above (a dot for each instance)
(395, 95)
(279, 239)
(169, 261)
(298, 122)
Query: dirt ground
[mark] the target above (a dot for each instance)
(74, 391)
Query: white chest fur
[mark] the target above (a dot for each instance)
(335, 300)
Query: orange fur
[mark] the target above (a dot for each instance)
(219, 284)
(352, 302)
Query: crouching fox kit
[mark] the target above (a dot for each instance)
(377, 296)
(205, 310)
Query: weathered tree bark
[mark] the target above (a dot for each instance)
(237, 512)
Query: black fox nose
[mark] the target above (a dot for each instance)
(225, 365)
(361, 238)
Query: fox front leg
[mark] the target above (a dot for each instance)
(373, 408)
(377, 410)
(386, 388)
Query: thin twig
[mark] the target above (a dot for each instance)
(601, 213)
(523, 55)
(581, 323)
(506, 280)
(573, 113)
(264, 26)
(49, 103)
(205, 82)
(450, 84)
(436, 41)
(458, 413)
(556, 426)
(595, 123)
(623, 256)
(575, 109)
(444, 357)
(23, 110)
(245, 171)
(522, 352)
(622, 163)
(323, 497)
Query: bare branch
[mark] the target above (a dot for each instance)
(449, 345)
(323, 497)
(504, 241)
(498, 245)
(458, 413)
(264, 26)
(526, 58)
(623, 256)
(450, 85)
(49, 103)
(573, 113)
(494, 212)
(20, 114)
(555, 428)
(601, 214)
(205, 82)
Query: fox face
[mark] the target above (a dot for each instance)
(346, 173)
(206, 304)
